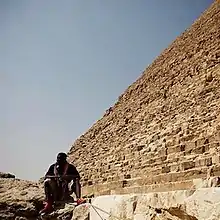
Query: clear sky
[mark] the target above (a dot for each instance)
(63, 63)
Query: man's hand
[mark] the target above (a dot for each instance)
(80, 201)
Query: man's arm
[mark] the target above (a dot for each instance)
(75, 172)
(76, 177)
(72, 173)
(50, 171)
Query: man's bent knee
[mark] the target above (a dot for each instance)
(47, 182)
(50, 183)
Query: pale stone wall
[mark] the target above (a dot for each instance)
(164, 131)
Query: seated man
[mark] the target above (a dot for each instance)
(57, 179)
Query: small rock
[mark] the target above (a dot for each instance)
(6, 175)
(23, 193)
(81, 212)
(41, 180)
(209, 77)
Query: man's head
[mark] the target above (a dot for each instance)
(61, 158)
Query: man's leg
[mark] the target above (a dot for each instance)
(50, 193)
(64, 191)
(47, 189)
(51, 189)
(76, 188)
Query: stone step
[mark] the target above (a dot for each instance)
(167, 171)
(182, 185)
(166, 181)
(178, 159)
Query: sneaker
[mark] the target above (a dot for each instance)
(48, 208)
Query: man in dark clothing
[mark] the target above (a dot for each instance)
(57, 180)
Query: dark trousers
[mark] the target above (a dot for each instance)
(58, 192)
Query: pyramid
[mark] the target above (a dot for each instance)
(163, 133)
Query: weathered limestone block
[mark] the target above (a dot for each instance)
(203, 162)
(200, 204)
(187, 165)
(216, 159)
(175, 167)
(81, 212)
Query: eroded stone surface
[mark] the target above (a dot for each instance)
(19, 198)
(22, 200)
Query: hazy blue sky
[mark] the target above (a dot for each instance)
(63, 63)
